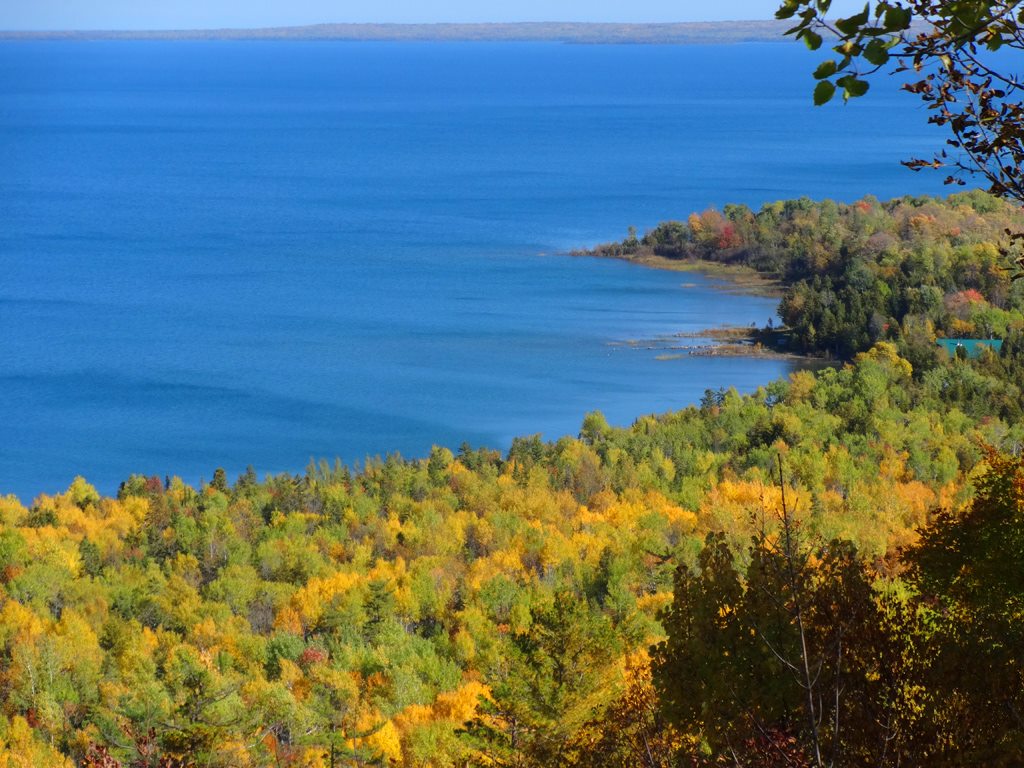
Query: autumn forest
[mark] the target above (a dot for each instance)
(823, 572)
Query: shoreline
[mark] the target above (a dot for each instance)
(721, 341)
(737, 279)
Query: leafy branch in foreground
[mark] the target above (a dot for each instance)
(958, 54)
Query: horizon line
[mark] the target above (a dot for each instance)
(564, 31)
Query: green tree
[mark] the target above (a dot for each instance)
(789, 658)
(547, 684)
(969, 570)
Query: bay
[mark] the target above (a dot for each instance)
(233, 253)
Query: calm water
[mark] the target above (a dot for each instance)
(217, 254)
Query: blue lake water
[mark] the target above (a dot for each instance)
(232, 253)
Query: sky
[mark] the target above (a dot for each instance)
(200, 14)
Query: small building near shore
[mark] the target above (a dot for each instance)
(971, 347)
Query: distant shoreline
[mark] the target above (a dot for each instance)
(681, 33)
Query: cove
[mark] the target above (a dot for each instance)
(233, 253)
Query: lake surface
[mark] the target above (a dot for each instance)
(232, 253)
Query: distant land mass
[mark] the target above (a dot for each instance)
(568, 32)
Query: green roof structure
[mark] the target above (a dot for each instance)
(972, 347)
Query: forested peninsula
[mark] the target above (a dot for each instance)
(826, 571)
(908, 270)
